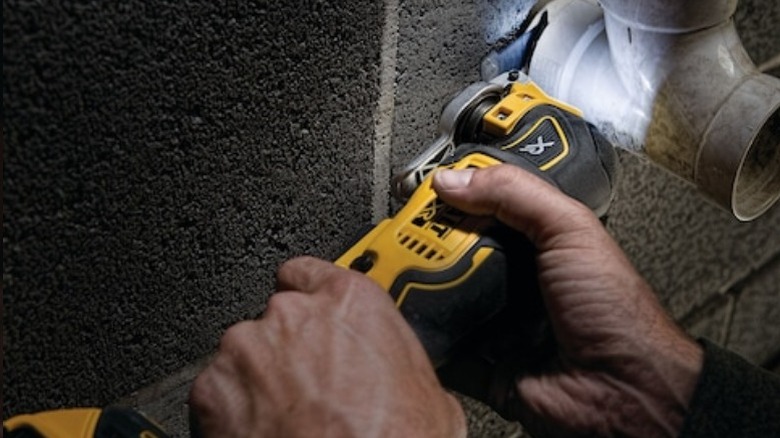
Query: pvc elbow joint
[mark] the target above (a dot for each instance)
(670, 80)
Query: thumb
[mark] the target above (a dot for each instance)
(517, 198)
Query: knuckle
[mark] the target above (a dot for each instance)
(288, 264)
(484, 177)
(501, 174)
(288, 309)
(344, 283)
(280, 302)
(274, 304)
(350, 284)
(236, 336)
(580, 215)
(200, 392)
(287, 268)
(490, 182)
(294, 264)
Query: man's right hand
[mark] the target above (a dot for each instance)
(624, 367)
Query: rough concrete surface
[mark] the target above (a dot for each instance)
(687, 248)
(162, 158)
(756, 22)
(712, 320)
(484, 422)
(439, 48)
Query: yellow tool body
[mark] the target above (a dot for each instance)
(429, 236)
(63, 423)
(448, 272)
(110, 422)
(426, 236)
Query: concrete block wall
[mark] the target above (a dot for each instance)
(162, 158)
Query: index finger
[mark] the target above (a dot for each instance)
(304, 274)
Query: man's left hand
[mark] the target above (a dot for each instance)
(331, 356)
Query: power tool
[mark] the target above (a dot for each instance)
(112, 422)
(448, 272)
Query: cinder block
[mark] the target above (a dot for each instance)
(161, 159)
(439, 49)
(712, 320)
(756, 22)
(688, 249)
(440, 46)
(755, 327)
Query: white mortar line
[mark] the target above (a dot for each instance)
(383, 124)
(770, 64)
(725, 329)
(383, 115)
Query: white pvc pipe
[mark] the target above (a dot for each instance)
(671, 80)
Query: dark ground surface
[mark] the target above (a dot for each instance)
(162, 158)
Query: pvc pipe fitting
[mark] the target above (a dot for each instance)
(670, 80)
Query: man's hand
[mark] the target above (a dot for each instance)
(624, 368)
(331, 356)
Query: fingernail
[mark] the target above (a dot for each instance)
(453, 179)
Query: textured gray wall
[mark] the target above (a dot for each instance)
(162, 158)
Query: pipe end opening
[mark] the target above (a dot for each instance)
(738, 164)
(757, 183)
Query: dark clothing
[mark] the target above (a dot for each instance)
(733, 398)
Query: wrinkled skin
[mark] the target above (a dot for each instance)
(623, 368)
(333, 357)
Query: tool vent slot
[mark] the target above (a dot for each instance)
(421, 246)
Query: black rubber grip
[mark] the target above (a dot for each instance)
(577, 160)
